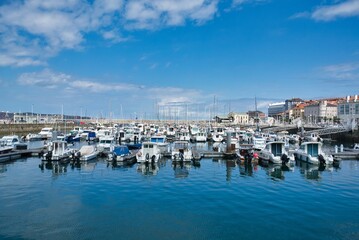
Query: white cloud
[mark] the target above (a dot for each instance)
(241, 2)
(100, 87)
(31, 31)
(45, 78)
(348, 8)
(151, 14)
(172, 95)
(49, 79)
(345, 71)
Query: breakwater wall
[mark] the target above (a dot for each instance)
(24, 129)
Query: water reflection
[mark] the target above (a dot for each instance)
(313, 172)
(57, 168)
(277, 171)
(247, 168)
(84, 166)
(230, 166)
(3, 168)
(120, 165)
(148, 169)
(181, 169)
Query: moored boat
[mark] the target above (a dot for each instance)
(312, 152)
(150, 152)
(275, 152)
(181, 151)
(87, 153)
(121, 153)
(57, 151)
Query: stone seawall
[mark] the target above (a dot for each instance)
(24, 129)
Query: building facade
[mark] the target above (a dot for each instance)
(239, 118)
(275, 108)
(320, 112)
(349, 109)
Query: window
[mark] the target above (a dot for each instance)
(346, 111)
(341, 109)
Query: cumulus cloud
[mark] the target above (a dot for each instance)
(31, 31)
(151, 14)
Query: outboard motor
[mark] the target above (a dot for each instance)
(76, 155)
(48, 156)
(248, 157)
(321, 159)
(181, 156)
(284, 158)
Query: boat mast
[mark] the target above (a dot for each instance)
(256, 113)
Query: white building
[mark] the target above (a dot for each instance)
(349, 109)
(320, 112)
(239, 118)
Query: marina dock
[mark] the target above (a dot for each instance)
(16, 154)
(346, 155)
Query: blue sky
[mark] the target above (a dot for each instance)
(118, 58)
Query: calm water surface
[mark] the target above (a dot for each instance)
(214, 200)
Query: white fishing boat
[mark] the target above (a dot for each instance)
(58, 150)
(183, 136)
(312, 137)
(217, 135)
(217, 138)
(87, 153)
(33, 137)
(312, 152)
(13, 141)
(105, 143)
(275, 152)
(150, 152)
(46, 133)
(258, 142)
(201, 136)
(181, 151)
(294, 138)
(4, 148)
(162, 142)
(10, 140)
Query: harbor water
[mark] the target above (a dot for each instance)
(215, 199)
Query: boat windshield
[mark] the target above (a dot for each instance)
(313, 150)
(277, 149)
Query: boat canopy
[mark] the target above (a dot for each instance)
(121, 150)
